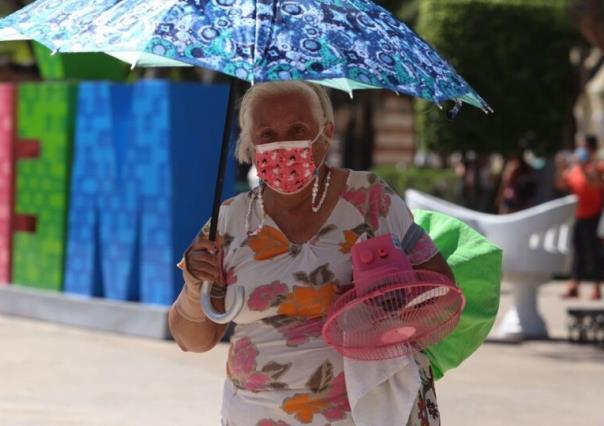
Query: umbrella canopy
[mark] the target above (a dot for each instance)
(347, 45)
(51, 21)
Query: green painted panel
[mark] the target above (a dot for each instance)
(79, 66)
(46, 112)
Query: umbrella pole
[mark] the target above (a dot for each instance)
(224, 151)
(239, 295)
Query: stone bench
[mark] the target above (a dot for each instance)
(535, 244)
(586, 325)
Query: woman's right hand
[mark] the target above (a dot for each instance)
(202, 260)
(188, 323)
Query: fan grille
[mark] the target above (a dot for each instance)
(411, 307)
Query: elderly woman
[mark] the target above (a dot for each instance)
(288, 243)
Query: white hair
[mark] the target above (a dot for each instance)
(317, 96)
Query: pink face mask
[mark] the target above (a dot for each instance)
(286, 167)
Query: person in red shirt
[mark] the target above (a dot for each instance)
(585, 180)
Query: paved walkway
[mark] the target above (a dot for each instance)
(59, 376)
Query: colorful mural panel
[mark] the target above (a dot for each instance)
(45, 120)
(143, 179)
(113, 221)
(7, 120)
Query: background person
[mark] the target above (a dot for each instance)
(518, 186)
(584, 179)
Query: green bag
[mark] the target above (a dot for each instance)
(476, 264)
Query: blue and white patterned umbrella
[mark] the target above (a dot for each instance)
(348, 45)
(49, 21)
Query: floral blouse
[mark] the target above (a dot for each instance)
(280, 370)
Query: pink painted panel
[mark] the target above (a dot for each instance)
(7, 132)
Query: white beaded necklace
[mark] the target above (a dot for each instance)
(315, 190)
(257, 194)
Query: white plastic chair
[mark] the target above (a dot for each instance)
(535, 244)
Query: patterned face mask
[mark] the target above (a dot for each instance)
(286, 167)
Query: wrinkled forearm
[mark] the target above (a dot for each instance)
(189, 326)
(194, 336)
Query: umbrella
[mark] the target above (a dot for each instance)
(347, 45)
(51, 21)
(343, 44)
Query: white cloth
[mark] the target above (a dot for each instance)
(381, 392)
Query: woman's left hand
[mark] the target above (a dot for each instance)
(437, 263)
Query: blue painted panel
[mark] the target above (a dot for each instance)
(178, 130)
(103, 209)
(195, 164)
(143, 182)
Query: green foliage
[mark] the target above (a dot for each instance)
(17, 52)
(442, 183)
(409, 11)
(4, 10)
(406, 10)
(391, 5)
(515, 53)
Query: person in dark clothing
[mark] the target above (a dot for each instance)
(518, 186)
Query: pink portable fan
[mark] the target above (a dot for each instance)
(391, 305)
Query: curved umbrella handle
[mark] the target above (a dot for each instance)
(229, 315)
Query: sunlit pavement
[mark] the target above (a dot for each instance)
(56, 375)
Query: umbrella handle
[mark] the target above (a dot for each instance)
(227, 316)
